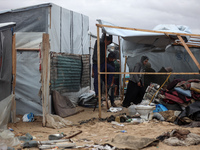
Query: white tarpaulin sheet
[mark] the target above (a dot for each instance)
(28, 83)
(5, 109)
(28, 39)
(68, 31)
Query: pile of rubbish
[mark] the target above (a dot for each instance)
(178, 102)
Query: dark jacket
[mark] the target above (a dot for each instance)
(102, 51)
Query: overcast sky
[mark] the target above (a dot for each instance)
(142, 14)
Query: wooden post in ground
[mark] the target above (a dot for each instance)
(120, 68)
(98, 67)
(106, 76)
(14, 62)
(45, 75)
(122, 98)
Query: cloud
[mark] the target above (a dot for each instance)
(144, 14)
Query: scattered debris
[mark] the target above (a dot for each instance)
(180, 137)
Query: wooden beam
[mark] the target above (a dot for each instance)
(50, 18)
(14, 62)
(14, 58)
(122, 98)
(156, 73)
(106, 77)
(98, 67)
(45, 75)
(13, 109)
(27, 49)
(120, 67)
(189, 52)
(144, 30)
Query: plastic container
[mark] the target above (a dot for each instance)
(26, 138)
(30, 144)
(131, 110)
(56, 136)
(117, 119)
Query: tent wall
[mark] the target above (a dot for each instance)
(5, 63)
(32, 19)
(28, 82)
(175, 57)
(68, 31)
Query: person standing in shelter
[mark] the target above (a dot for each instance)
(111, 87)
(160, 79)
(116, 77)
(149, 78)
(104, 42)
(135, 88)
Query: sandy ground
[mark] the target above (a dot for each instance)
(101, 131)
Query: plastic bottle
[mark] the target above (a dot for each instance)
(29, 136)
(26, 138)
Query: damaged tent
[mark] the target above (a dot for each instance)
(165, 45)
(162, 50)
(69, 45)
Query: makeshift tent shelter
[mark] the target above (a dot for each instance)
(68, 33)
(137, 41)
(6, 72)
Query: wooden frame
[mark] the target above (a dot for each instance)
(45, 76)
(167, 33)
(14, 65)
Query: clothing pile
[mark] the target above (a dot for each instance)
(181, 96)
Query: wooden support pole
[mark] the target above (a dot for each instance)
(189, 52)
(144, 30)
(99, 76)
(122, 98)
(45, 75)
(14, 66)
(155, 73)
(14, 58)
(27, 49)
(120, 67)
(106, 77)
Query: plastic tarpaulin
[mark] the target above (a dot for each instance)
(5, 109)
(137, 42)
(5, 60)
(175, 57)
(28, 83)
(28, 39)
(68, 31)
(29, 19)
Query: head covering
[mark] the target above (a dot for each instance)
(168, 69)
(111, 55)
(143, 58)
(148, 65)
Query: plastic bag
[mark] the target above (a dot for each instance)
(54, 121)
(8, 138)
(28, 117)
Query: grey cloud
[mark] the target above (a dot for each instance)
(144, 14)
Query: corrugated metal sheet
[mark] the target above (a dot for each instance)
(65, 72)
(85, 80)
